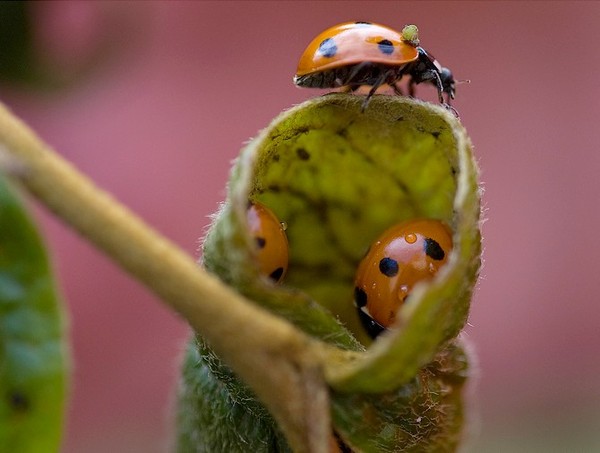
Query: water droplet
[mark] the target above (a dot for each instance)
(403, 292)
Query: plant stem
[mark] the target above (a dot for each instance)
(279, 362)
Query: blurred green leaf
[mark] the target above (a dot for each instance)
(33, 357)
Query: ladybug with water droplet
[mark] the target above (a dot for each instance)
(272, 249)
(354, 54)
(404, 255)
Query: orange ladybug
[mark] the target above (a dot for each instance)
(353, 54)
(270, 240)
(401, 257)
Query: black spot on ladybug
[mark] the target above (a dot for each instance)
(388, 266)
(302, 154)
(327, 48)
(386, 46)
(18, 401)
(433, 249)
(277, 274)
(372, 327)
(261, 242)
(360, 297)
(436, 134)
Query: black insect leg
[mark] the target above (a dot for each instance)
(397, 89)
(378, 82)
(440, 87)
(411, 87)
(350, 78)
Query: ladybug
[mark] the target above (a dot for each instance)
(353, 54)
(401, 257)
(270, 241)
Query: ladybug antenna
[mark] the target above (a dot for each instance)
(458, 82)
(410, 35)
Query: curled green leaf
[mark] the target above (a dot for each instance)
(33, 357)
(218, 413)
(425, 414)
(338, 177)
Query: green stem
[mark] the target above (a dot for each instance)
(279, 362)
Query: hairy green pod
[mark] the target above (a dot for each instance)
(339, 177)
(33, 354)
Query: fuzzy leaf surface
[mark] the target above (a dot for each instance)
(338, 178)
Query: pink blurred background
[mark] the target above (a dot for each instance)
(160, 119)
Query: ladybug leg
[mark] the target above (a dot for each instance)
(440, 87)
(411, 87)
(380, 81)
(351, 77)
(397, 89)
(452, 110)
(429, 75)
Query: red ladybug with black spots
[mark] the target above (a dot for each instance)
(354, 54)
(270, 241)
(404, 255)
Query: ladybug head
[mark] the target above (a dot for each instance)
(448, 82)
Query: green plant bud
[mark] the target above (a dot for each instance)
(339, 177)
